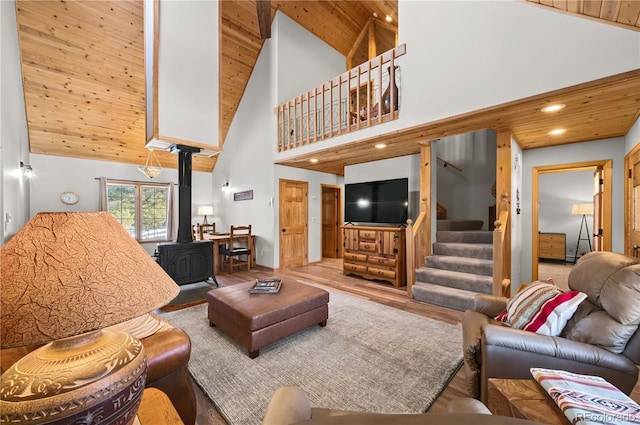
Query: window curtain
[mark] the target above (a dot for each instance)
(172, 211)
(103, 205)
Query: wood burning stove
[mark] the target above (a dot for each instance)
(185, 260)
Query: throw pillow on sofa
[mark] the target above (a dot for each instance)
(542, 308)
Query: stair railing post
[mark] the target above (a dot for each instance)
(497, 259)
(410, 256)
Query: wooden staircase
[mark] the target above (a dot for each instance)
(461, 265)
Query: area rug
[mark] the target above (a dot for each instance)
(193, 292)
(369, 357)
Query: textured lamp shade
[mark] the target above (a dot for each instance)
(582, 209)
(65, 276)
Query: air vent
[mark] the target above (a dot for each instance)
(163, 145)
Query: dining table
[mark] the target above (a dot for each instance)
(224, 238)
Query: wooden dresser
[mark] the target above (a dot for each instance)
(376, 253)
(552, 246)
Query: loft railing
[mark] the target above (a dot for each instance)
(359, 98)
(501, 253)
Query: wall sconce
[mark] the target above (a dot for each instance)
(225, 187)
(27, 171)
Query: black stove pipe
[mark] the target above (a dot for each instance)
(184, 191)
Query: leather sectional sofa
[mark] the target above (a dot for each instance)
(290, 405)
(601, 338)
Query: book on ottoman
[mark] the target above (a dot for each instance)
(266, 286)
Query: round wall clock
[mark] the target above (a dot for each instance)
(69, 198)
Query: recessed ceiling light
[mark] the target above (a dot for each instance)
(553, 108)
(381, 145)
(557, 131)
(388, 18)
(314, 160)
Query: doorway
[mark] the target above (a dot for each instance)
(293, 216)
(600, 199)
(632, 202)
(330, 219)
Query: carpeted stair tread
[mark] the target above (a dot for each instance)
(455, 279)
(454, 298)
(459, 224)
(482, 251)
(461, 264)
(465, 236)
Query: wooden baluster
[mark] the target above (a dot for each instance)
(410, 256)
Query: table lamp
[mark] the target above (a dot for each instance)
(65, 277)
(205, 211)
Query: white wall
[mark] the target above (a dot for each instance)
(467, 194)
(14, 141)
(612, 149)
(557, 192)
(467, 55)
(187, 71)
(55, 174)
(291, 61)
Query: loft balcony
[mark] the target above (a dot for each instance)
(359, 98)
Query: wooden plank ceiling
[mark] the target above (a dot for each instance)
(83, 73)
(622, 13)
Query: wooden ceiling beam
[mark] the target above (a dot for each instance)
(263, 9)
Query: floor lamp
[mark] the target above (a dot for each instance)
(584, 210)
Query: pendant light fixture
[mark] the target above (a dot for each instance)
(152, 167)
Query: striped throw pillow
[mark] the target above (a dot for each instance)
(542, 308)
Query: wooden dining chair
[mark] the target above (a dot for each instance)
(237, 252)
(195, 232)
(207, 228)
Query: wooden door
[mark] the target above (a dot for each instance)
(632, 201)
(330, 219)
(294, 206)
(597, 226)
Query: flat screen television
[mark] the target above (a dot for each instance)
(384, 202)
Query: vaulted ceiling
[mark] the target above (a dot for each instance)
(83, 73)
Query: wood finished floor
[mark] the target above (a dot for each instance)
(329, 273)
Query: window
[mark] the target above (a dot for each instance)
(141, 208)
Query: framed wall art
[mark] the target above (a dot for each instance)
(243, 196)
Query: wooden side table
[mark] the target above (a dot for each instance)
(156, 409)
(524, 399)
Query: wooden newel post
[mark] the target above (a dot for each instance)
(410, 257)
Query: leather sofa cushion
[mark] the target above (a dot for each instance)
(611, 315)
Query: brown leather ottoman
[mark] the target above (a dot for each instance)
(257, 320)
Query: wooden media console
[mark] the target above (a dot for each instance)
(375, 253)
